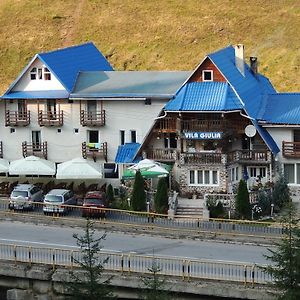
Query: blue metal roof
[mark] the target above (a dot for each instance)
(134, 84)
(66, 63)
(37, 95)
(282, 108)
(126, 153)
(205, 96)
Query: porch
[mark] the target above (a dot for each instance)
(36, 149)
(94, 150)
(17, 118)
(164, 155)
(50, 118)
(247, 156)
(291, 149)
(92, 118)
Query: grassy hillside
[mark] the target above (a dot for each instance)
(154, 34)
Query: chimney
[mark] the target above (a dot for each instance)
(239, 58)
(253, 64)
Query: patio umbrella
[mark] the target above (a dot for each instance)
(32, 165)
(152, 172)
(143, 164)
(79, 168)
(4, 165)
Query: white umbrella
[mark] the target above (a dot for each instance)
(32, 165)
(143, 164)
(4, 165)
(79, 168)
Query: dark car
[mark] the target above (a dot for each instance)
(93, 204)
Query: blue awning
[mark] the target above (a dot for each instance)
(126, 153)
(37, 95)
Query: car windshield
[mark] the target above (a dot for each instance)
(93, 201)
(53, 198)
(20, 193)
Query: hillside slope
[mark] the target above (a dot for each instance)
(154, 34)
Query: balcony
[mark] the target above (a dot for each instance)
(291, 149)
(250, 156)
(49, 118)
(202, 158)
(166, 154)
(16, 118)
(94, 150)
(167, 125)
(37, 149)
(203, 125)
(1, 150)
(92, 118)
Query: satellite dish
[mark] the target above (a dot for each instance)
(250, 131)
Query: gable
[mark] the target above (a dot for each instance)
(209, 66)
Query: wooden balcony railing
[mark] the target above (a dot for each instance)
(94, 150)
(202, 158)
(49, 118)
(291, 149)
(16, 118)
(92, 118)
(1, 149)
(37, 149)
(167, 125)
(203, 125)
(166, 154)
(249, 156)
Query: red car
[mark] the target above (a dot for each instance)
(92, 204)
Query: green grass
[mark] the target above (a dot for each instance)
(154, 34)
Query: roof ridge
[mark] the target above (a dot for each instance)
(67, 48)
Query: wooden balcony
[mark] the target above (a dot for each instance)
(167, 125)
(37, 149)
(291, 149)
(1, 149)
(249, 156)
(203, 125)
(94, 119)
(16, 118)
(202, 158)
(49, 118)
(166, 154)
(94, 150)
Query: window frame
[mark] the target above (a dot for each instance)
(211, 72)
(200, 175)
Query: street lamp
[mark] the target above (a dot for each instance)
(272, 209)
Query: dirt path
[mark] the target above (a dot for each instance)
(69, 29)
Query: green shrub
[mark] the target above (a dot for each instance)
(161, 196)
(242, 203)
(138, 197)
(110, 194)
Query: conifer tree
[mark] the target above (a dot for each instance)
(138, 197)
(281, 193)
(110, 194)
(242, 203)
(88, 285)
(161, 196)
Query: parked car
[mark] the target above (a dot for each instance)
(93, 203)
(57, 201)
(24, 195)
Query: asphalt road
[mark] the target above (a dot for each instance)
(62, 237)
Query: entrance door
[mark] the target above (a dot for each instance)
(92, 109)
(36, 140)
(51, 108)
(22, 109)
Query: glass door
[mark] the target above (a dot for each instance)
(92, 109)
(36, 140)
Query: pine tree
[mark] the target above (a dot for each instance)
(242, 203)
(138, 197)
(161, 196)
(110, 194)
(89, 286)
(281, 193)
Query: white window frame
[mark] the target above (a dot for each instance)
(33, 72)
(46, 72)
(131, 132)
(295, 174)
(211, 74)
(196, 179)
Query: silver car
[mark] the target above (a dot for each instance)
(57, 201)
(24, 195)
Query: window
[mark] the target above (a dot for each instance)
(204, 177)
(133, 136)
(12, 130)
(40, 73)
(111, 170)
(33, 74)
(47, 74)
(122, 137)
(234, 174)
(59, 130)
(289, 173)
(207, 75)
(76, 130)
(147, 101)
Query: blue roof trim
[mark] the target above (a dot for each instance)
(37, 95)
(205, 96)
(126, 153)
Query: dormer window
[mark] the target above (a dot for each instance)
(40, 73)
(207, 75)
(47, 74)
(33, 74)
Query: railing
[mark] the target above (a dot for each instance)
(37, 149)
(249, 155)
(165, 154)
(94, 150)
(92, 118)
(16, 118)
(185, 268)
(291, 149)
(1, 149)
(203, 125)
(50, 118)
(202, 158)
(167, 125)
(228, 200)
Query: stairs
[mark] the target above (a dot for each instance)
(189, 208)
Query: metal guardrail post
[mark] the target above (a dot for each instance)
(15, 254)
(72, 259)
(122, 263)
(53, 260)
(29, 255)
(183, 269)
(245, 275)
(253, 275)
(128, 263)
(188, 269)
